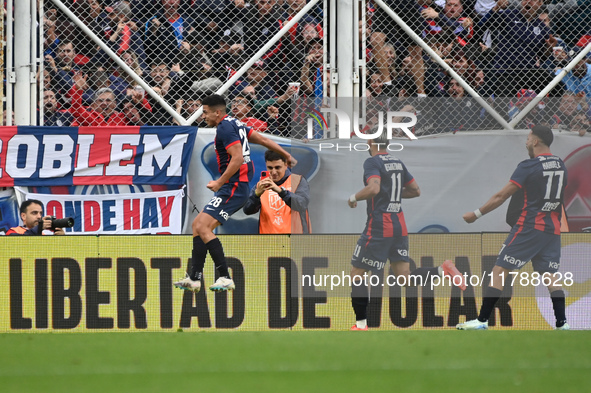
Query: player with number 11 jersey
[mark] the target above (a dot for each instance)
(384, 211)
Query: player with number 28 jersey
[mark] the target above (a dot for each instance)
(232, 148)
(229, 132)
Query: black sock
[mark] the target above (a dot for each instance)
(491, 295)
(359, 300)
(425, 272)
(559, 306)
(219, 259)
(197, 259)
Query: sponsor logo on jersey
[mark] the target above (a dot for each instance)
(513, 261)
(370, 262)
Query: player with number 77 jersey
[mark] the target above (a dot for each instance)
(232, 147)
(535, 236)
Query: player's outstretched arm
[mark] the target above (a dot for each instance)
(255, 137)
(495, 201)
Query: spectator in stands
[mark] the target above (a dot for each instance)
(260, 23)
(52, 116)
(468, 70)
(123, 34)
(516, 105)
(131, 60)
(256, 76)
(136, 110)
(103, 109)
(100, 78)
(187, 107)
(570, 18)
(578, 80)
(160, 117)
(458, 112)
(51, 40)
(522, 42)
(384, 62)
(571, 105)
(228, 56)
(560, 49)
(63, 67)
(580, 124)
(452, 17)
(375, 85)
(46, 79)
(242, 106)
(307, 28)
(160, 76)
(165, 32)
(92, 15)
(311, 73)
(384, 26)
(445, 45)
(68, 58)
(5, 118)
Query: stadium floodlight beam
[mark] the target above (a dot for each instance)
(120, 62)
(257, 55)
(444, 65)
(552, 84)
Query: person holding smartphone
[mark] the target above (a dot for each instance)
(281, 197)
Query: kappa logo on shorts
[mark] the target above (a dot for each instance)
(224, 214)
(517, 262)
(377, 264)
(554, 265)
(403, 253)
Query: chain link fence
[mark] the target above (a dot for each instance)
(184, 50)
(506, 52)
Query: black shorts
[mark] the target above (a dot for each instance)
(373, 253)
(227, 201)
(529, 244)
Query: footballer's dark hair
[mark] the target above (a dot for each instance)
(215, 101)
(381, 141)
(544, 133)
(29, 202)
(271, 155)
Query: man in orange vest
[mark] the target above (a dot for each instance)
(281, 197)
(31, 212)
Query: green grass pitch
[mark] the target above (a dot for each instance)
(303, 361)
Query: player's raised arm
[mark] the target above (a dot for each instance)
(495, 201)
(255, 137)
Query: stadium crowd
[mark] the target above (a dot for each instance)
(505, 50)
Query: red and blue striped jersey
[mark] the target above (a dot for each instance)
(384, 211)
(543, 180)
(229, 132)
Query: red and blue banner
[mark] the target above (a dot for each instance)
(121, 214)
(70, 156)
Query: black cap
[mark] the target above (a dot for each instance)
(544, 133)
